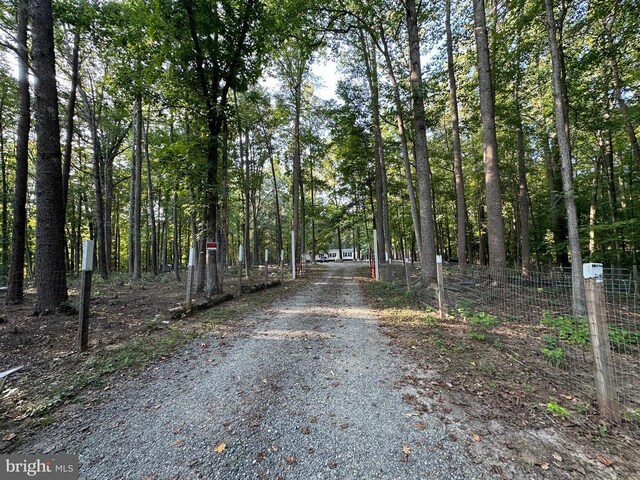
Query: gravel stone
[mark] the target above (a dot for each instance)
(305, 392)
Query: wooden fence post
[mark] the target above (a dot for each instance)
(85, 295)
(600, 344)
(240, 258)
(190, 268)
(440, 274)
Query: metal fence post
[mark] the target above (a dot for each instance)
(85, 295)
(600, 344)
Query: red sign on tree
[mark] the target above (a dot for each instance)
(212, 245)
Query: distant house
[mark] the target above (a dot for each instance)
(334, 255)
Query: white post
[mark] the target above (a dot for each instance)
(293, 254)
(440, 284)
(85, 295)
(375, 254)
(266, 267)
(190, 269)
(240, 258)
(281, 265)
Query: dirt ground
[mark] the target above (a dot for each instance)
(498, 378)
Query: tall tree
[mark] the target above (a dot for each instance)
(561, 108)
(15, 289)
(461, 206)
(427, 225)
(495, 224)
(50, 243)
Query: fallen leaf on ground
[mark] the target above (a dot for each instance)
(420, 426)
(179, 443)
(219, 448)
(476, 437)
(305, 430)
(344, 426)
(332, 464)
(274, 448)
(406, 449)
(176, 430)
(605, 460)
(544, 466)
(404, 458)
(290, 459)
(453, 437)
(557, 457)
(8, 437)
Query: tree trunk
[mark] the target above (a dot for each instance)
(137, 190)
(71, 108)
(4, 192)
(415, 217)
(50, 242)
(564, 143)
(152, 213)
(176, 239)
(495, 224)
(523, 190)
(277, 199)
(101, 249)
(461, 207)
(428, 259)
(18, 232)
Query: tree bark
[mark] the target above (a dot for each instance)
(4, 191)
(415, 216)
(50, 242)
(564, 143)
(176, 240)
(523, 193)
(152, 213)
(137, 190)
(18, 232)
(428, 259)
(101, 249)
(461, 207)
(71, 108)
(495, 223)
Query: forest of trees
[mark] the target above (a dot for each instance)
(503, 134)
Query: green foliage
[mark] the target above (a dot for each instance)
(575, 331)
(553, 351)
(558, 410)
(481, 323)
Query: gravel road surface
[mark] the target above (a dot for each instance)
(307, 390)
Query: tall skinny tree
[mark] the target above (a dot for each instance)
(561, 108)
(15, 288)
(495, 223)
(427, 226)
(50, 244)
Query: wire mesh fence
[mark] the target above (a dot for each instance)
(532, 319)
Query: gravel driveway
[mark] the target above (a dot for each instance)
(306, 391)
